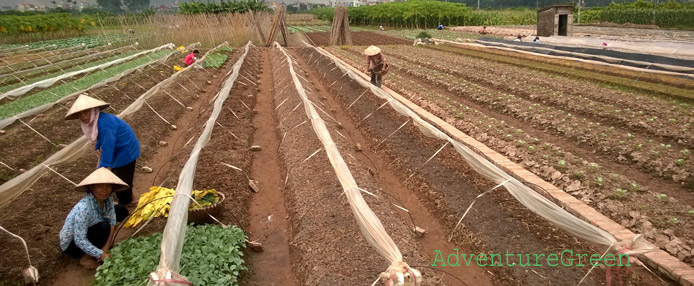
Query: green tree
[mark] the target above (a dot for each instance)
(136, 6)
(112, 6)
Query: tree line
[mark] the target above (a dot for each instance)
(429, 14)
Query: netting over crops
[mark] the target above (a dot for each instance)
(42, 108)
(524, 194)
(17, 185)
(369, 224)
(174, 232)
(48, 82)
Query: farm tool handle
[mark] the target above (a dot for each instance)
(33, 272)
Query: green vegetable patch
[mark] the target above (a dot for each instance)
(211, 256)
(215, 60)
(58, 92)
(56, 74)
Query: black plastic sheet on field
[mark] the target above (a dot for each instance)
(639, 60)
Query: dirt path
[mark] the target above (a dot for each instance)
(267, 211)
(435, 236)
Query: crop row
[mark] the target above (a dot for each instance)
(623, 146)
(34, 60)
(75, 68)
(656, 116)
(442, 34)
(63, 64)
(58, 92)
(88, 41)
(613, 194)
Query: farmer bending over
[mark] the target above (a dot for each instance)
(376, 63)
(89, 227)
(116, 144)
(484, 30)
(191, 58)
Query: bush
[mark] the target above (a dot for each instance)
(424, 34)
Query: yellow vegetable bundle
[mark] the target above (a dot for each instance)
(205, 198)
(159, 206)
(161, 199)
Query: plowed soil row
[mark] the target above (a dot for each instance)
(327, 246)
(447, 186)
(590, 173)
(360, 39)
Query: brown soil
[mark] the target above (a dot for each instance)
(439, 184)
(495, 117)
(306, 226)
(418, 213)
(41, 228)
(360, 39)
(267, 211)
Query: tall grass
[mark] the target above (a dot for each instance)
(208, 29)
(154, 30)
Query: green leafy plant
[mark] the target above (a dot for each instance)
(594, 166)
(215, 60)
(58, 92)
(225, 49)
(684, 152)
(620, 193)
(579, 175)
(211, 255)
(634, 187)
(674, 220)
(424, 35)
(679, 162)
(662, 197)
(520, 143)
(600, 181)
(531, 149)
(561, 164)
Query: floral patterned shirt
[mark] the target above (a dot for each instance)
(83, 215)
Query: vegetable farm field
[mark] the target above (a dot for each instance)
(342, 182)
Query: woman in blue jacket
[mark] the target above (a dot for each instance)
(116, 144)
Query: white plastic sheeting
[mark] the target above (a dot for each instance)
(61, 61)
(524, 194)
(48, 82)
(17, 185)
(368, 222)
(175, 230)
(39, 109)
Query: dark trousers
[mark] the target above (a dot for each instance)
(376, 78)
(97, 234)
(125, 173)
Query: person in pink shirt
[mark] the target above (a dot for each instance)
(190, 58)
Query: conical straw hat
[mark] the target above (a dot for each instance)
(84, 102)
(372, 51)
(102, 176)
